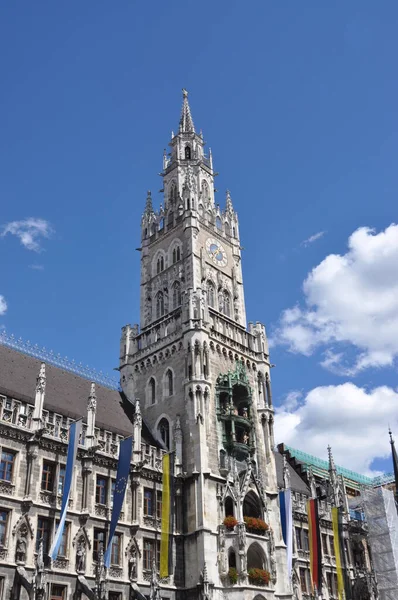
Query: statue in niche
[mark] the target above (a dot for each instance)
(21, 546)
(81, 556)
(296, 586)
(133, 564)
(272, 555)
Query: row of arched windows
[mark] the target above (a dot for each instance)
(175, 257)
(224, 300)
(176, 296)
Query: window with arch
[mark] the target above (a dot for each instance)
(231, 559)
(256, 557)
(229, 507)
(227, 229)
(226, 303)
(161, 224)
(218, 223)
(164, 431)
(169, 382)
(152, 391)
(173, 192)
(160, 264)
(176, 254)
(159, 305)
(176, 294)
(188, 152)
(205, 190)
(211, 295)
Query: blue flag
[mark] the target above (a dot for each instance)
(286, 512)
(74, 436)
(123, 469)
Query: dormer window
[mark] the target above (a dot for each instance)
(188, 152)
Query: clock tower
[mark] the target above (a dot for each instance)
(201, 377)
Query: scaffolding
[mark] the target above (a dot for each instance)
(382, 519)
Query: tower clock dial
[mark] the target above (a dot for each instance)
(216, 252)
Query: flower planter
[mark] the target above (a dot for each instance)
(256, 526)
(230, 522)
(259, 576)
(233, 576)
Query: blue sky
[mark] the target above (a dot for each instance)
(298, 103)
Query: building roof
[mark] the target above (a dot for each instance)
(321, 468)
(66, 392)
(297, 484)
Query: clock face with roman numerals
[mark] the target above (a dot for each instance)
(216, 252)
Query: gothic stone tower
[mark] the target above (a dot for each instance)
(202, 379)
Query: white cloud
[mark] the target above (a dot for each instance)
(3, 305)
(36, 267)
(313, 238)
(29, 231)
(349, 299)
(353, 420)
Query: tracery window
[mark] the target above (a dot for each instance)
(164, 430)
(160, 264)
(226, 303)
(176, 254)
(159, 305)
(210, 294)
(170, 382)
(176, 294)
(152, 390)
(188, 152)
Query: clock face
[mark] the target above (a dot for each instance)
(216, 252)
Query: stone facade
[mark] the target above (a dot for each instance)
(194, 367)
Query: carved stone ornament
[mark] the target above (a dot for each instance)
(21, 544)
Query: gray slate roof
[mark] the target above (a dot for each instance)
(66, 392)
(296, 482)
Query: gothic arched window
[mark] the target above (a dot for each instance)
(176, 294)
(169, 382)
(227, 303)
(218, 223)
(160, 264)
(188, 152)
(164, 430)
(173, 192)
(205, 191)
(159, 305)
(176, 254)
(210, 294)
(227, 229)
(152, 390)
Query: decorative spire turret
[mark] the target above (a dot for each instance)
(186, 121)
(286, 474)
(334, 480)
(228, 203)
(91, 412)
(148, 204)
(395, 464)
(39, 397)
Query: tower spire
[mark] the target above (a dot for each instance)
(186, 121)
(395, 463)
(148, 204)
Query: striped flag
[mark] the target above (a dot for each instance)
(123, 470)
(74, 436)
(343, 581)
(167, 515)
(314, 535)
(286, 510)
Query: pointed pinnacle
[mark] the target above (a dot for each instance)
(148, 205)
(390, 434)
(228, 203)
(332, 466)
(186, 121)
